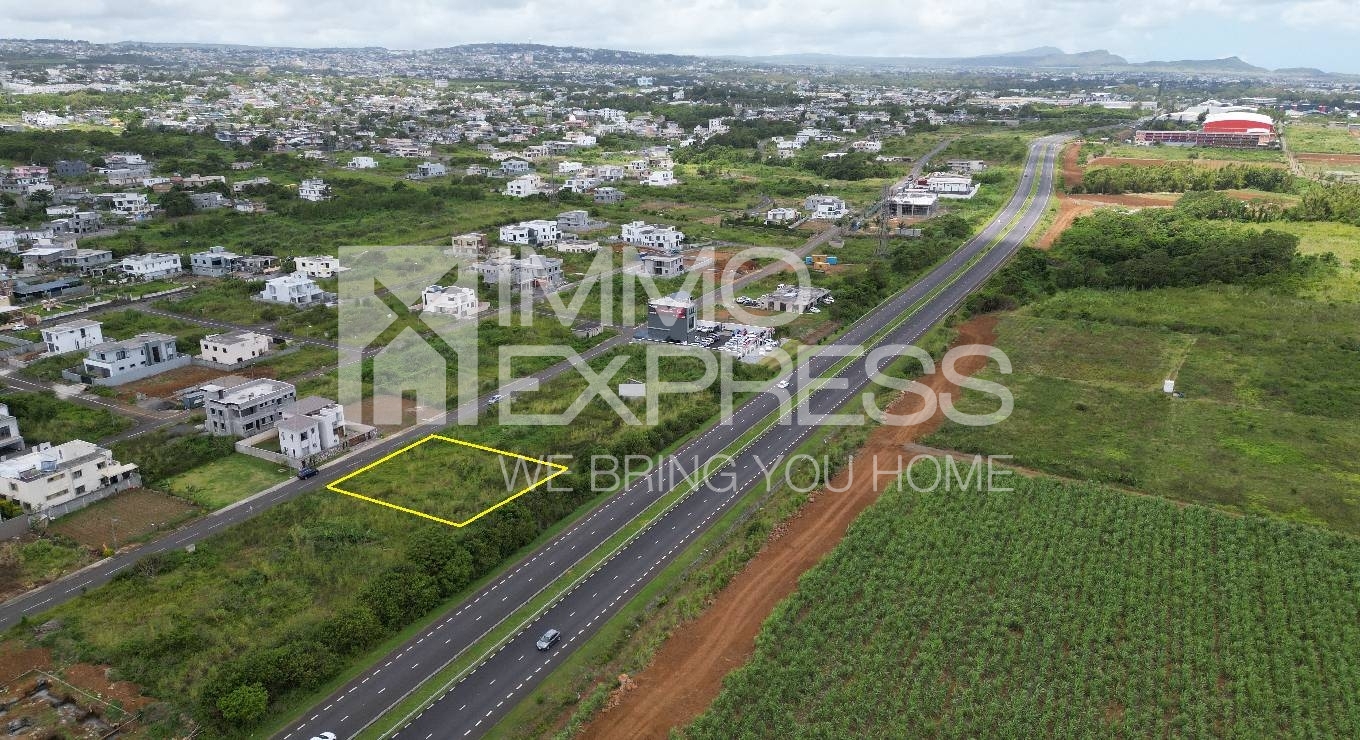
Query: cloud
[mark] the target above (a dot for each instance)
(865, 27)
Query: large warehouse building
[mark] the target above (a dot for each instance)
(1234, 129)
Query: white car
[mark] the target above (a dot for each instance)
(814, 309)
(494, 400)
(784, 383)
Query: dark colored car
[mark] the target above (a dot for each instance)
(306, 473)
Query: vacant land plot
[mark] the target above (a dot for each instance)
(1057, 611)
(1270, 382)
(1072, 207)
(1207, 156)
(1303, 137)
(30, 561)
(443, 479)
(1342, 240)
(46, 418)
(125, 517)
(227, 480)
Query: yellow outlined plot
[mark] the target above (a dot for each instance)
(335, 484)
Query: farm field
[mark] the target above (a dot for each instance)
(1028, 613)
(1270, 388)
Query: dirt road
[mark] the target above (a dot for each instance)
(687, 671)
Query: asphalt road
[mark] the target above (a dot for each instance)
(474, 704)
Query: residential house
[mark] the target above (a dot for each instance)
(535, 271)
(294, 289)
(233, 347)
(538, 232)
(640, 233)
(609, 172)
(314, 190)
(431, 169)
(469, 246)
(10, 439)
(781, 215)
(452, 300)
(209, 201)
(322, 266)
(132, 205)
(966, 166)
(660, 179)
(525, 186)
(313, 425)
(72, 336)
(825, 207)
(244, 409)
(663, 265)
(577, 220)
(516, 167)
(55, 475)
(362, 163)
(40, 258)
(580, 184)
(119, 362)
(71, 168)
(88, 261)
(949, 184)
(215, 262)
(608, 195)
(151, 266)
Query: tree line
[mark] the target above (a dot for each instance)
(1179, 177)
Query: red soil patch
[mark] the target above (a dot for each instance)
(1071, 165)
(687, 671)
(125, 516)
(15, 660)
(1070, 208)
(1331, 159)
(166, 384)
(95, 680)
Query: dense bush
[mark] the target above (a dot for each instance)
(161, 456)
(1175, 177)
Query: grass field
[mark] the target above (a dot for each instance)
(1271, 385)
(1184, 154)
(1342, 240)
(226, 481)
(1057, 611)
(45, 418)
(1308, 137)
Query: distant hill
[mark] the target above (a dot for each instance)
(1044, 57)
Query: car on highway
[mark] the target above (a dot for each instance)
(307, 472)
(784, 383)
(495, 399)
(549, 639)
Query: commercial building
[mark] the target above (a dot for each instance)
(55, 475)
(243, 409)
(72, 336)
(912, 203)
(671, 318)
(233, 347)
(792, 298)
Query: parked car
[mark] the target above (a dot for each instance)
(549, 639)
(306, 473)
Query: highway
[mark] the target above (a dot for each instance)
(480, 698)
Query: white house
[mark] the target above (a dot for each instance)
(781, 215)
(430, 169)
(233, 347)
(294, 289)
(362, 163)
(644, 234)
(115, 363)
(323, 266)
(312, 425)
(609, 172)
(127, 204)
(453, 300)
(72, 335)
(568, 167)
(825, 207)
(538, 232)
(314, 190)
(151, 266)
(867, 145)
(951, 185)
(54, 475)
(525, 186)
(660, 178)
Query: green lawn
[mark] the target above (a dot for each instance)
(1342, 240)
(227, 480)
(304, 359)
(1056, 611)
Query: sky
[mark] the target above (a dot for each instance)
(1268, 33)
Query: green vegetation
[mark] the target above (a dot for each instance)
(1271, 386)
(226, 480)
(45, 418)
(1305, 137)
(306, 358)
(1182, 153)
(1180, 177)
(286, 600)
(162, 456)
(1031, 613)
(42, 560)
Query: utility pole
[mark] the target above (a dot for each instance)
(882, 250)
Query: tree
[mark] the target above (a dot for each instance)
(245, 705)
(176, 203)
